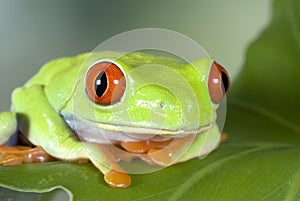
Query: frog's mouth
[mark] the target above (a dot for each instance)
(96, 132)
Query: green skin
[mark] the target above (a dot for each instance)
(163, 96)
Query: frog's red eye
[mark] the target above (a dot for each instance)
(218, 82)
(105, 83)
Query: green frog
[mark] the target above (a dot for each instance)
(156, 108)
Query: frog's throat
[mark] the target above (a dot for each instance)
(91, 131)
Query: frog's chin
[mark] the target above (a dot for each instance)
(90, 131)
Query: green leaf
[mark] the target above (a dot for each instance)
(260, 161)
(269, 82)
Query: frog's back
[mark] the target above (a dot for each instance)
(137, 59)
(58, 78)
(55, 68)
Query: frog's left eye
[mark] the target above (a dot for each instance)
(105, 83)
(218, 82)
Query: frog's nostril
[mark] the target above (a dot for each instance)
(162, 104)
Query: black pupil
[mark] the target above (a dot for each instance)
(225, 82)
(100, 84)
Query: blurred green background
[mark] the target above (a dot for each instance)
(34, 32)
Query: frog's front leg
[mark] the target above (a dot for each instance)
(203, 144)
(8, 126)
(102, 157)
(44, 127)
(18, 154)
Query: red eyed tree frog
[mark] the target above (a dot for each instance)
(141, 103)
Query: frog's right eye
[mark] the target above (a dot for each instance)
(218, 82)
(105, 83)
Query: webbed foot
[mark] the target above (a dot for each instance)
(22, 154)
(224, 137)
(117, 179)
(163, 153)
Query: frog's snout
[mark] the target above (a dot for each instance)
(155, 106)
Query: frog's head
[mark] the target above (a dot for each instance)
(136, 95)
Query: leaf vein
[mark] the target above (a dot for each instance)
(294, 188)
(267, 113)
(186, 186)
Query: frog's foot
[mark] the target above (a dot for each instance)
(163, 153)
(143, 147)
(117, 179)
(224, 137)
(22, 154)
(106, 160)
